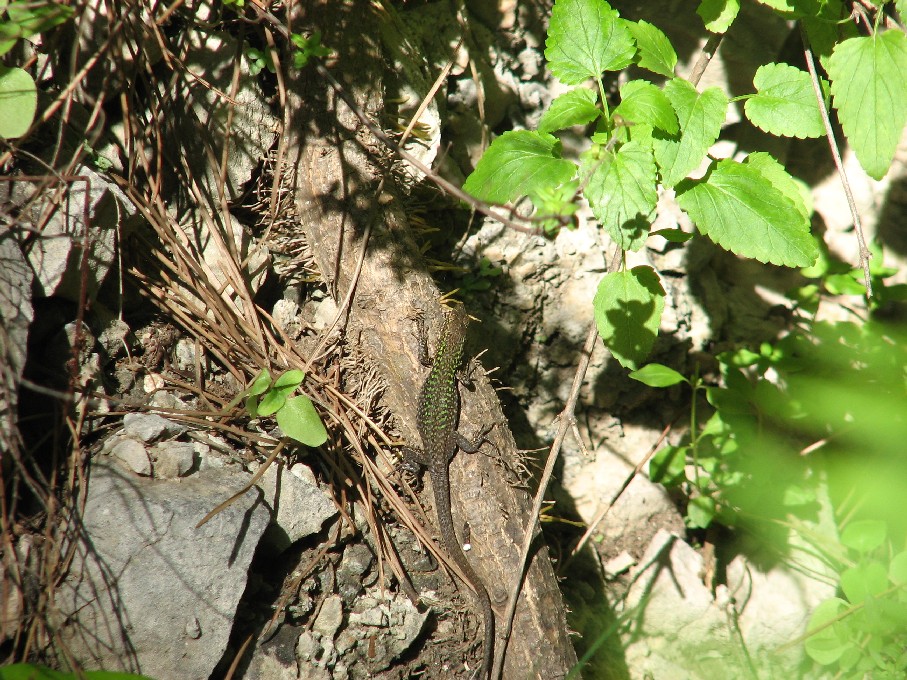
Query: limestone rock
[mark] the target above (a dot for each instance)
(147, 591)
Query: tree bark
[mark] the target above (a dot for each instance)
(336, 178)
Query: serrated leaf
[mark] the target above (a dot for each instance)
(828, 643)
(870, 94)
(299, 420)
(785, 104)
(655, 50)
(586, 38)
(718, 15)
(657, 375)
(644, 103)
(779, 178)
(576, 107)
(864, 535)
(18, 102)
(622, 192)
(628, 307)
(740, 210)
(700, 116)
(516, 164)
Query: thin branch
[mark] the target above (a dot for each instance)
(705, 57)
(566, 419)
(833, 145)
(455, 191)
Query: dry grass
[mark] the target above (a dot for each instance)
(131, 61)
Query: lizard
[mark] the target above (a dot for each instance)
(437, 418)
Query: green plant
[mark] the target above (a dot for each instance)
(303, 49)
(296, 416)
(27, 671)
(18, 92)
(659, 135)
(823, 407)
(480, 279)
(862, 634)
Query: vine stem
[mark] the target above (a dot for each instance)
(836, 155)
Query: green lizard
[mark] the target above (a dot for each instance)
(438, 414)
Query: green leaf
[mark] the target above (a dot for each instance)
(780, 5)
(657, 375)
(701, 511)
(828, 644)
(779, 178)
(739, 209)
(844, 284)
(276, 397)
(261, 383)
(673, 235)
(554, 206)
(826, 30)
(700, 116)
(18, 102)
(785, 104)
(644, 103)
(864, 581)
(516, 164)
(585, 38)
(290, 379)
(300, 421)
(864, 535)
(870, 94)
(655, 50)
(628, 307)
(718, 15)
(576, 107)
(270, 403)
(622, 192)
(668, 466)
(33, 18)
(252, 406)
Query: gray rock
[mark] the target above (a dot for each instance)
(313, 657)
(329, 617)
(114, 338)
(357, 559)
(300, 507)
(147, 591)
(313, 652)
(56, 256)
(172, 459)
(392, 623)
(133, 454)
(148, 427)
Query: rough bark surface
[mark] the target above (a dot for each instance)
(336, 182)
